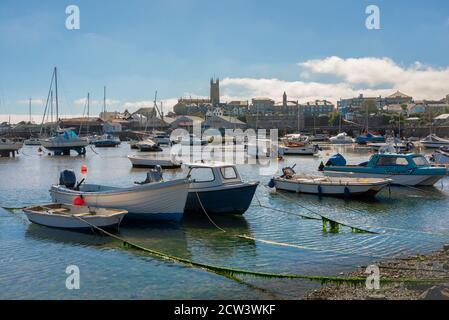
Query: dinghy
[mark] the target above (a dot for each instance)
(327, 186)
(57, 215)
(158, 200)
(106, 141)
(147, 161)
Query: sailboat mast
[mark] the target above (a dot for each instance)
(104, 102)
(56, 92)
(29, 107)
(88, 113)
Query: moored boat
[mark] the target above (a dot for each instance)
(63, 216)
(402, 169)
(139, 161)
(65, 140)
(10, 145)
(148, 145)
(369, 137)
(160, 200)
(440, 156)
(306, 150)
(327, 186)
(433, 141)
(341, 138)
(106, 141)
(32, 142)
(217, 188)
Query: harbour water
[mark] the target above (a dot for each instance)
(33, 259)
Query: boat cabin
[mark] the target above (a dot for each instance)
(409, 161)
(212, 174)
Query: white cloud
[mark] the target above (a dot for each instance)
(354, 76)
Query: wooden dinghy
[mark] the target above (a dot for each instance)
(63, 216)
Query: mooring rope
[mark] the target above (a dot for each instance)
(229, 272)
(334, 223)
(234, 271)
(205, 212)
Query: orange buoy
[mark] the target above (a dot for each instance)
(83, 168)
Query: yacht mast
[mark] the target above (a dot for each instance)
(56, 92)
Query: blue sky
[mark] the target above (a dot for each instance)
(175, 46)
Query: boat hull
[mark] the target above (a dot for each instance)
(397, 179)
(143, 162)
(222, 200)
(329, 189)
(300, 151)
(106, 144)
(155, 201)
(68, 222)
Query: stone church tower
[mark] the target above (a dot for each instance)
(215, 91)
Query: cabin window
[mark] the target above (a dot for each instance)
(202, 175)
(420, 161)
(392, 161)
(228, 173)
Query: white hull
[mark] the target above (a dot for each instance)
(329, 187)
(49, 144)
(154, 201)
(399, 179)
(150, 162)
(13, 146)
(305, 151)
(67, 222)
(434, 145)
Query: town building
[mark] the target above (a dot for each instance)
(262, 105)
(316, 108)
(398, 98)
(224, 122)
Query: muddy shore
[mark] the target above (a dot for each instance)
(431, 266)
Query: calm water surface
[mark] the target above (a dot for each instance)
(33, 259)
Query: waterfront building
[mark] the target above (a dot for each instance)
(316, 108)
(236, 108)
(398, 98)
(345, 106)
(262, 105)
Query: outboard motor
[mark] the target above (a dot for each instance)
(288, 172)
(67, 178)
(154, 175)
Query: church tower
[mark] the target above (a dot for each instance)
(215, 91)
(284, 100)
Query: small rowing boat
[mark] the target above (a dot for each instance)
(63, 216)
(327, 186)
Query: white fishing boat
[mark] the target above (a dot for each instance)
(327, 186)
(148, 161)
(32, 142)
(341, 138)
(433, 141)
(63, 216)
(307, 150)
(148, 145)
(160, 200)
(395, 144)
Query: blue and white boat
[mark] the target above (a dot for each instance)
(402, 169)
(106, 141)
(65, 140)
(369, 137)
(217, 188)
